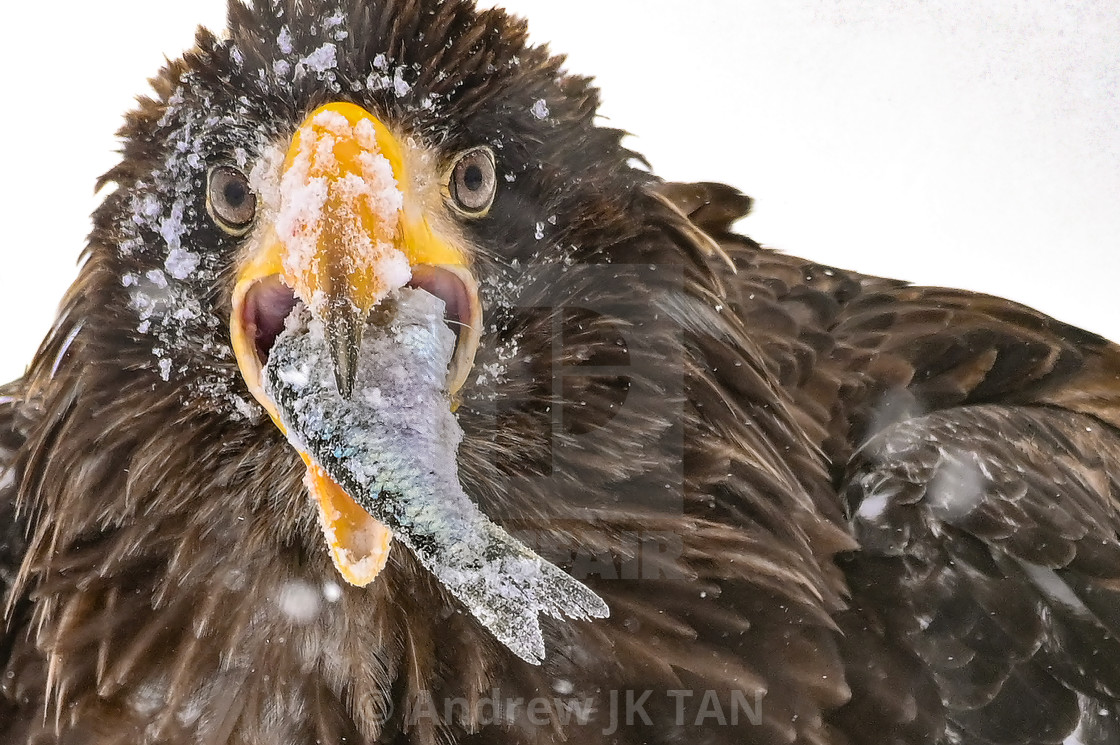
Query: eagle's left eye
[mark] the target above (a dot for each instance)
(230, 200)
(472, 182)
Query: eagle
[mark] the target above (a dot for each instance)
(816, 506)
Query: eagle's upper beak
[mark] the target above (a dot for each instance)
(345, 231)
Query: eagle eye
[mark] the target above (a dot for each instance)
(230, 200)
(472, 182)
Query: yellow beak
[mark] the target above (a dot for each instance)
(340, 239)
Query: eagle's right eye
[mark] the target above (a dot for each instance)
(230, 200)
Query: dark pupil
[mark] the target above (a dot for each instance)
(235, 194)
(473, 178)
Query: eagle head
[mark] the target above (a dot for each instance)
(326, 154)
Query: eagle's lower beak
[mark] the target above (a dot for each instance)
(341, 236)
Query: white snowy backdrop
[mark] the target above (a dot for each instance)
(955, 142)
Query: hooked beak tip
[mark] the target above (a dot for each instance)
(344, 324)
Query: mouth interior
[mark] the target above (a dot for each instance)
(269, 303)
(450, 289)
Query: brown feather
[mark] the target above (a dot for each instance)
(887, 513)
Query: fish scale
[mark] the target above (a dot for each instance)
(392, 446)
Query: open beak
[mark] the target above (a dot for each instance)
(341, 238)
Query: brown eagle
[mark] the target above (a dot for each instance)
(821, 507)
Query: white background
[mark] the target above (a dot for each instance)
(961, 142)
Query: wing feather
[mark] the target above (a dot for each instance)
(1000, 530)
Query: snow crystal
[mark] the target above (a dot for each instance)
(373, 397)
(540, 109)
(181, 263)
(958, 487)
(381, 62)
(323, 59)
(243, 408)
(378, 82)
(284, 41)
(332, 592)
(264, 177)
(149, 207)
(157, 278)
(400, 86)
(367, 136)
(395, 453)
(563, 687)
(491, 374)
(334, 23)
(299, 601)
(873, 507)
(281, 68)
(171, 227)
(148, 698)
(297, 379)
